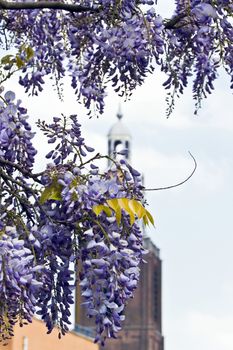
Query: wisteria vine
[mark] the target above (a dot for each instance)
(119, 42)
(72, 212)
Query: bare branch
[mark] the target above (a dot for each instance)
(75, 8)
(24, 186)
(55, 5)
(179, 183)
(20, 169)
(171, 23)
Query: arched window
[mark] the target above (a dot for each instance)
(109, 147)
(118, 146)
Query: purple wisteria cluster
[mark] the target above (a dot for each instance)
(120, 43)
(19, 281)
(72, 213)
(110, 273)
(15, 132)
(198, 43)
(70, 224)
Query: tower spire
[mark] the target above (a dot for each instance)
(119, 113)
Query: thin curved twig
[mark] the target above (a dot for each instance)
(179, 183)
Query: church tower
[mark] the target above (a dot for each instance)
(119, 139)
(142, 328)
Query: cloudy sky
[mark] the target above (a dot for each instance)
(194, 222)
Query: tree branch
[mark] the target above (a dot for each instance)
(179, 183)
(19, 168)
(55, 5)
(23, 201)
(75, 8)
(171, 23)
(16, 182)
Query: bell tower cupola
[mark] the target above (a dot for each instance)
(119, 140)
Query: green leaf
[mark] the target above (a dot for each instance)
(6, 59)
(29, 53)
(19, 62)
(53, 192)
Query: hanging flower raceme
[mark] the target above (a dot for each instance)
(199, 39)
(119, 43)
(71, 214)
(15, 133)
(19, 282)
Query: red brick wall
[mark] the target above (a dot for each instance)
(142, 326)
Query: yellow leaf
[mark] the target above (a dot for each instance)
(118, 216)
(97, 209)
(150, 217)
(137, 208)
(131, 207)
(145, 220)
(107, 211)
(113, 203)
(124, 204)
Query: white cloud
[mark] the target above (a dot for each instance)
(211, 176)
(159, 150)
(164, 169)
(212, 331)
(196, 330)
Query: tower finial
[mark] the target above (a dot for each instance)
(119, 113)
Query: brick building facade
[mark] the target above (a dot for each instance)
(142, 328)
